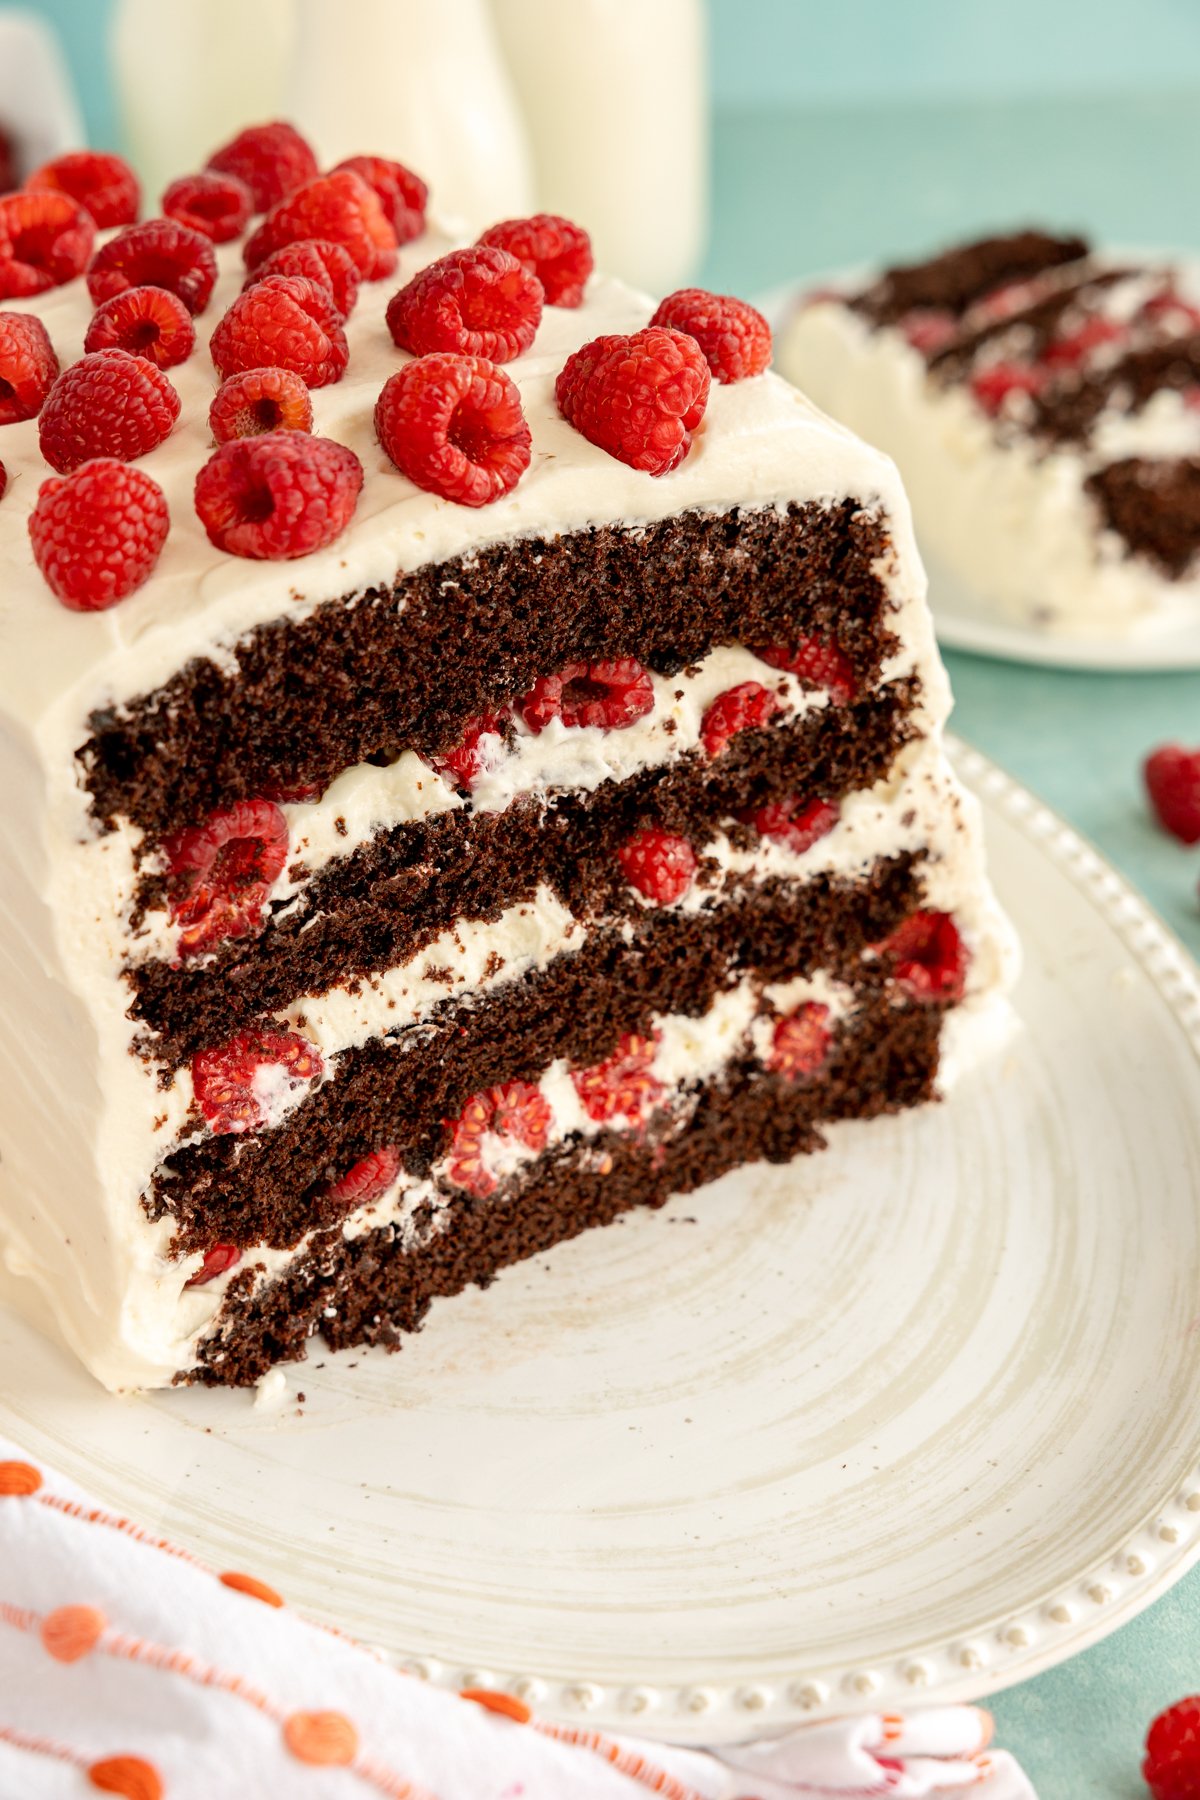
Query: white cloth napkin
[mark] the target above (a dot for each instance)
(128, 1667)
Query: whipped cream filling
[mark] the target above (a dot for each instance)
(1003, 516)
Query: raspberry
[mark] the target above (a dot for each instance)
(817, 665)
(103, 184)
(480, 302)
(1171, 312)
(273, 161)
(454, 426)
(217, 206)
(746, 707)
(515, 1110)
(621, 1086)
(638, 397)
(317, 259)
(216, 1261)
(800, 1043)
(222, 871)
(556, 251)
(109, 403)
(3, 480)
(930, 958)
(734, 336)
(611, 695)
(401, 193)
(284, 322)
(158, 253)
(260, 400)
(658, 864)
(28, 366)
(1172, 776)
(1171, 1769)
(1077, 346)
(992, 387)
(795, 823)
(281, 495)
(465, 763)
(340, 207)
(928, 328)
(45, 239)
(236, 1082)
(366, 1179)
(147, 321)
(97, 534)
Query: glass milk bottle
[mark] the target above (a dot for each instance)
(614, 94)
(420, 80)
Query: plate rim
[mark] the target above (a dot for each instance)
(1172, 648)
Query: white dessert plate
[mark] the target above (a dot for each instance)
(912, 1418)
(965, 622)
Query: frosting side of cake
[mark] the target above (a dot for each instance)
(1041, 402)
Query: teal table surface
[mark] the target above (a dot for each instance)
(800, 192)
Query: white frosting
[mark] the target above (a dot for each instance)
(1002, 516)
(70, 1211)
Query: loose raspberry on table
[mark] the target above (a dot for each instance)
(552, 248)
(800, 1042)
(157, 253)
(366, 1179)
(402, 194)
(929, 958)
(28, 366)
(237, 1083)
(97, 533)
(515, 1111)
(220, 872)
(465, 763)
(340, 207)
(660, 865)
(109, 403)
(273, 160)
(746, 707)
(479, 302)
(278, 496)
(103, 184)
(285, 322)
(639, 397)
(218, 206)
(815, 664)
(454, 426)
(317, 259)
(623, 1085)
(734, 336)
(1171, 1768)
(610, 695)
(794, 822)
(147, 321)
(1172, 777)
(260, 400)
(218, 1260)
(45, 239)
(994, 386)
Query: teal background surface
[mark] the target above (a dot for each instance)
(881, 128)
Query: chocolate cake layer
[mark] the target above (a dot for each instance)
(954, 281)
(371, 675)
(1067, 413)
(383, 903)
(267, 1188)
(368, 1290)
(1154, 505)
(1038, 324)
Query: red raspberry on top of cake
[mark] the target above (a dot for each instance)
(109, 403)
(639, 397)
(146, 321)
(273, 160)
(340, 207)
(734, 336)
(402, 194)
(97, 534)
(45, 240)
(285, 322)
(278, 496)
(558, 252)
(103, 184)
(454, 426)
(28, 366)
(258, 400)
(317, 259)
(479, 302)
(157, 253)
(218, 206)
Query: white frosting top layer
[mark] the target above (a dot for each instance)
(761, 442)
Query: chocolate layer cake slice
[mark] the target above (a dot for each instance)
(402, 881)
(1043, 402)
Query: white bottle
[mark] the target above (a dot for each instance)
(189, 74)
(420, 80)
(614, 94)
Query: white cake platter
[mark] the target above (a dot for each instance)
(964, 621)
(910, 1419)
